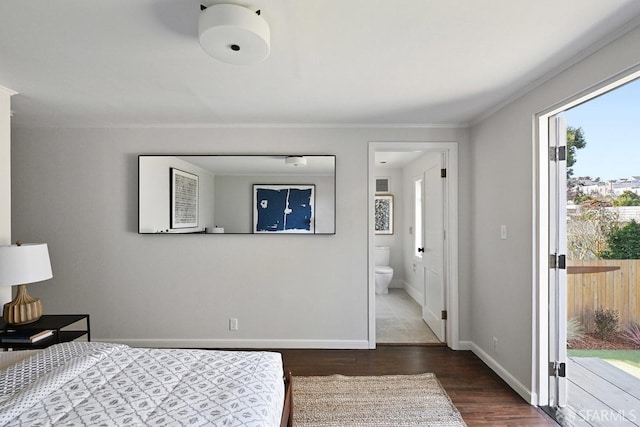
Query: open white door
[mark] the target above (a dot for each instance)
(445, 153)
(433, 306)
(557, 261)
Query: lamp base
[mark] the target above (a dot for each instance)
(23, 309)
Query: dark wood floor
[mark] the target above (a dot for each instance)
(480, 395)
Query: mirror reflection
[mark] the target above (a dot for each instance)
(244, 194)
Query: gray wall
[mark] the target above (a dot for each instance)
(395, 240)
(154, 198)
(501, 290)
(76, 189)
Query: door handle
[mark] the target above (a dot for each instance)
(421, 250)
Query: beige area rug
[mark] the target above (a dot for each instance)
(389, 400)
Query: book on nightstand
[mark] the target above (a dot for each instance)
(25, 336)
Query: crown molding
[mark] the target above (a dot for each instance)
(256, 126)
(7, 91)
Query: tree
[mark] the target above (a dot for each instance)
(588, 232)
(627, 198)
(624, 242)
(575, 141)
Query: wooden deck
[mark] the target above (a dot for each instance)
(599, 394)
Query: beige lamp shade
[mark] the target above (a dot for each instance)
(19, 265)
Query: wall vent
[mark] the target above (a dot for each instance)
(382, 185)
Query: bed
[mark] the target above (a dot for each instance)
(82, 383)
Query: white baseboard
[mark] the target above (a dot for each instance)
(516, 385)
(464, 345)
(396, 284)
(239, 343)
(413, 292)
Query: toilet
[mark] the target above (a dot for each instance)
(384, 273)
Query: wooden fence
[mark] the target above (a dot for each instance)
(590, 288)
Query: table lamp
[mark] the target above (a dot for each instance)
(21, 264)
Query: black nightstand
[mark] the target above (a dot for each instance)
(60, 325)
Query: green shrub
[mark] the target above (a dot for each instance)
(623, 242)
(627, 198)
(606, 321)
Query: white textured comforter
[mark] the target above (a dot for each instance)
(76, 384)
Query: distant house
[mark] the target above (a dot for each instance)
(619, 186)
(612, 188)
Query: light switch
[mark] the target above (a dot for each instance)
(503, 232)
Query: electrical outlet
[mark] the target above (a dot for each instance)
(233, 324)
(495, 344)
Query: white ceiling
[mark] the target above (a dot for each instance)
(395, 159)
(339, 62)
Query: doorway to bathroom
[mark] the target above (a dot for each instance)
(416, 303)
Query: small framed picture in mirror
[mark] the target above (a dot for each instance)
(184, 199)
(384, 213)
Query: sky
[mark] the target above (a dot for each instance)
(611, 125)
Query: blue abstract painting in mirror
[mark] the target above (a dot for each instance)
(284, 208)
(216, 195)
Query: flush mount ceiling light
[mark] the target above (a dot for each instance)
(234, 34)
(295, 161)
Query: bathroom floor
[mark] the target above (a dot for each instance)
(399, 320)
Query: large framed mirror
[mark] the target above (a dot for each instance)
(236, 194)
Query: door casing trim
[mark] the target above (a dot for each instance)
(540, 229)
(450, 150)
